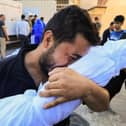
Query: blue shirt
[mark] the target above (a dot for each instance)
(116, 35)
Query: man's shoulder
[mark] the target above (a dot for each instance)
(1, 23)
(6, 63)
(106, 30)
(25, 22)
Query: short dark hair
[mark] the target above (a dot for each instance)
(30, 15)
(119, 18)
(96, 18)
(1, 15)
(112, 23)
(42, 18)
(22, 16)
(35, 16)
(70, 21)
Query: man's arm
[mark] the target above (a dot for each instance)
(5, 32)
(117, 52)
(95, 97)
(70, 85)
(105, 37)
(67, 85)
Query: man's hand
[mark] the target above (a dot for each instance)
(7, 38)
(65, 84)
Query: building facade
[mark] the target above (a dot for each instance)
(42, 8)
(82, 3)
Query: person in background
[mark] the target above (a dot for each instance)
(97, 34)
(97, 23)
(34, 19)
(106, 33)
(118, 31)
(42, 19)
(22, 30)
(3, 36)
(37, 31)
(30, 17)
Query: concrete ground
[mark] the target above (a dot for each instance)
(114, 117)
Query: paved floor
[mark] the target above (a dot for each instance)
(117, 117)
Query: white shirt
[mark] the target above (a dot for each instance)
(22, 28)
(102, 62)
(100, 65)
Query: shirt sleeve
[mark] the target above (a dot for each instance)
(115, 84)
(105, 36)
(27, 109)
(117, 52)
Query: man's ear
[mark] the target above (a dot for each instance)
(48, 39)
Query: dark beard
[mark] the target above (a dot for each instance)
(46, 61)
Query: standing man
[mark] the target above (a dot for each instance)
(97, 24)
(3, 36)
(107, 32)
(34, 19)
(22, 31)
(30, 26)
(118, 31)
(37, 31)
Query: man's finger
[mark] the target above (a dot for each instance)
(56, 70)
(51, 92)
(55, 102)
(54, 77)
(53, 85)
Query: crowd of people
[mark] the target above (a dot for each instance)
(69, 36)
(30, 30)
(114, 32)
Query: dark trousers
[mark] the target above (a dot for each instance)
(23, 40)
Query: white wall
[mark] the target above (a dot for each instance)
(45, 8)
(86, 4)
(12, 10)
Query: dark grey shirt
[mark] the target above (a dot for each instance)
(1, 29)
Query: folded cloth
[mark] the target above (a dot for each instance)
(102, 62)
(26, 110)
(100, 65)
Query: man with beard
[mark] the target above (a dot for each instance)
(68, 36)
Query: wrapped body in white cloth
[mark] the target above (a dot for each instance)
(99, 65)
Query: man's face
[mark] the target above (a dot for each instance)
(117, 25)
(3, 18)
(30, 17)
(112, 27)
(63, 54)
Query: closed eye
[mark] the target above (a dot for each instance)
(74, 57)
